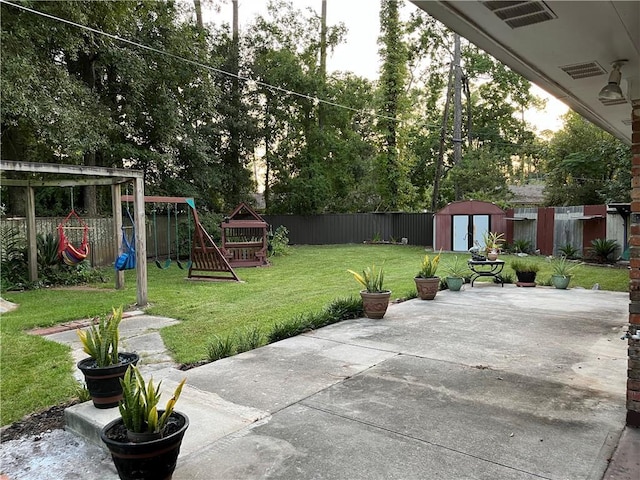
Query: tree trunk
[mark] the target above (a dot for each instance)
(323, 61)
(267, 155)
(457, 111)
(443, 134)
(234, 130)
(199, 23)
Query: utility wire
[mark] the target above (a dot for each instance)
(217, 70)
(198, 64)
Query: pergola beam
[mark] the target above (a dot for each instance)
(13, 182)
(60, 169)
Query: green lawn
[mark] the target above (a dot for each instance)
(36, 373)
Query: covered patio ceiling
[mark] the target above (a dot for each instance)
(565, 47)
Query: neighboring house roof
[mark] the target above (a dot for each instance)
(529, 194)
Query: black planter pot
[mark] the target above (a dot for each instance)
(149, 460)
(526, 279)
(103, 383)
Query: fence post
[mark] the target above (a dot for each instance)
(32, 253)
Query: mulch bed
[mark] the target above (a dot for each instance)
(36, 423)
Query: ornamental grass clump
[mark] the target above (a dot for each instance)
(371, 279)
(562, 267)
(139, 404)
(457, 269)
(519, 265)
(429, 266)
(100, 341)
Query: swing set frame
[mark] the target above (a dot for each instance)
(207, 262)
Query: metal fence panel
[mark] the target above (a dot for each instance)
(330, 229)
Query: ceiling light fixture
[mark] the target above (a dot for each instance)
(612, 91)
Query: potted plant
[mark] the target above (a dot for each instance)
(562, 272)
(456, 273)
(427, 283)
(375, 299)
(525, 271)
(492, 243)
(106, 365)
(145, 442)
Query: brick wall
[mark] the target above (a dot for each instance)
(633, 378)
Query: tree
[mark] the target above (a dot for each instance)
(586, 165)
(489, 131)
(393, 103)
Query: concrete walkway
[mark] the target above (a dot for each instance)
(488, 383)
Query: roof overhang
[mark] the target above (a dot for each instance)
(565, 47)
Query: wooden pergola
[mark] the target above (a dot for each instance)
(89, 176)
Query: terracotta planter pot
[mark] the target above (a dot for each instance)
(375, 304)
(427, 287)
(103, 383)
(154, 459)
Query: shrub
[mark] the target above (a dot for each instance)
(522, 246)
(220, 347)
(507, 277)
(345, 309)
(338, 310)
(603, 249)
(279, 242)
(51, 272)
(569, 251)
(249, 339)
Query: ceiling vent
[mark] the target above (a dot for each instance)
(520, 14)
(611, 102)
(583, 70)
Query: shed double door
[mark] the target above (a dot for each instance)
(468, 229)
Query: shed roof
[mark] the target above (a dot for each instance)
(471, 207)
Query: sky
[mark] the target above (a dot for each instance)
(359, 53)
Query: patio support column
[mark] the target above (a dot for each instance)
(633, 372)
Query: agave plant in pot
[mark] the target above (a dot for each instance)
(427, 283)
(456, 274)
(106, 365)
(375, 299)
(562, 272)
(145, 442)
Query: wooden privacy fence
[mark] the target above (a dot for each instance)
(548, 229)
(101, 246)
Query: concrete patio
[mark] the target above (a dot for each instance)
(490, 382)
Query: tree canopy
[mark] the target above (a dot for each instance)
(219, 114)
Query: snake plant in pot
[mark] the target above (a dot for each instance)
(375, 299)
(145, 442)
(106, 365)
(427, 283)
